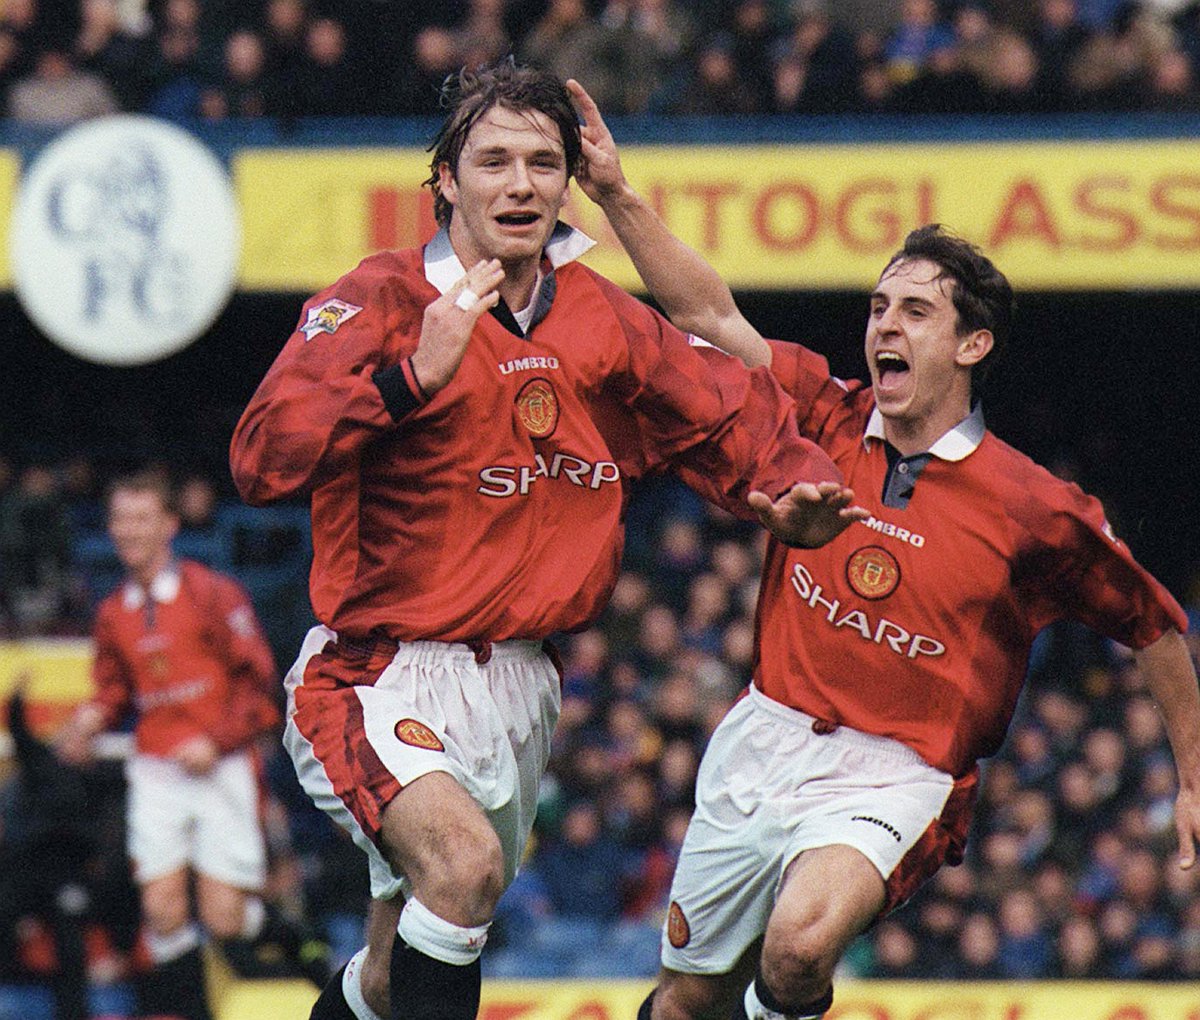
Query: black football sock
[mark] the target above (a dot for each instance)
(331, 1004)
(175, 989)
(427, 989)
(645, 1008)
(806, 1011)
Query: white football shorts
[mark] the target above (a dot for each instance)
(769, 788)
(210, 823)
(363, 724)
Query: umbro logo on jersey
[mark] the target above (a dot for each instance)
(526, 364)
(894, 531)
(895, 833)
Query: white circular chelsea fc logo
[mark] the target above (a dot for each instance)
(125, 240)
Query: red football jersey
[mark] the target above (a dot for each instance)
(494, 511)
(917, 624)
(187, 657)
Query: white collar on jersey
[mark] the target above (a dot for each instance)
(164, 588)
(444, 270)
(957, 444)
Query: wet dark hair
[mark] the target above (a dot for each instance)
(982, 295)
(469, 94)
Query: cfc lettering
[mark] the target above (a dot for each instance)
(892, 531)
(501, 481)
(882, 631)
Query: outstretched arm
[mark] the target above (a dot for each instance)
(690, 291)
(1171, 677)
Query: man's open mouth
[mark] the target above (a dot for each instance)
(890, 366)
(517, 219)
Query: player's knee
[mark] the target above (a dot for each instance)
(222, 921)
(797, 964)
(463, 884)
(164, 915)
(476, 878)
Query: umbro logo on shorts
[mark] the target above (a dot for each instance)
(880, 822)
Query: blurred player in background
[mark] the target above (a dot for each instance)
(465, 435)
(890, 660)
(179, 646)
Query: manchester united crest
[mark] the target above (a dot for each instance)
(678, 931)
(417, 734)
(873, 572)
(537, 407)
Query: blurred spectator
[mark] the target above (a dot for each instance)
(815, 66)
(946, 85)
(1025, 946)
(1078, 951)
(585, 871)
(50, 861)
(1112, 69)
(286, 65)
(244, 89)
(569, 42)
(751, 31)
(1011, 75)
(714, 87)
(420, 78)
(105, 47)
(482, 38)
(652, 38)
(178, 82)
(915, 39)
(897, 954)
(1057, 38)
(57, 93)
(35, 550)
(979, 949)
(19, 23)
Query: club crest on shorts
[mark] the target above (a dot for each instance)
(327, 316)
(873, 572)
(537, 407)
(417, 734)
(679, 934)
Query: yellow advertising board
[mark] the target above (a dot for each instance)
(1072, 215)
(10, 171)
(861, 1000)
(55, 673)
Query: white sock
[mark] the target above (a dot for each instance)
(173, 945)
(755, 1010)
(427, 933)
(352, 988)
(254, 916)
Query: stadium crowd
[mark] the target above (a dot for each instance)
(65, 60)
(1069, 871)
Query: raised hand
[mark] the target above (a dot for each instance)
(448, 323)
(808, 515)
(600, 177)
